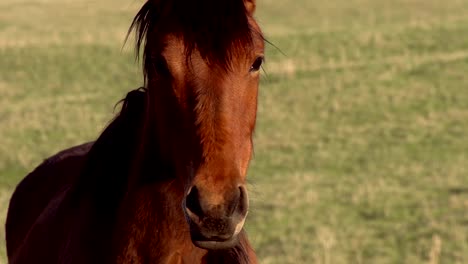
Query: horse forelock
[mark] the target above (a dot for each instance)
(219, 30)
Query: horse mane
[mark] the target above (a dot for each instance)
(218, 29)
(110, 158)
(104, 178)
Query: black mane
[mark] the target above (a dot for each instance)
(218, 29)
(111, 158)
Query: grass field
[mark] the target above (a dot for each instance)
(362, 139)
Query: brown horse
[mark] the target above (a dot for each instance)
(165, 181)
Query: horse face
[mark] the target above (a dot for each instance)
(220, 104)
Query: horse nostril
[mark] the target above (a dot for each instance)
(192, 202)
(243, 205)
(234, 203)
(239, 202)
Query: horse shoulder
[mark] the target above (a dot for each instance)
(38, 195)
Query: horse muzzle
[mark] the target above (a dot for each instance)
(216, 226)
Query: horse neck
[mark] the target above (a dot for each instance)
(96, 195)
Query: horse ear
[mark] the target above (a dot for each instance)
(250, 6)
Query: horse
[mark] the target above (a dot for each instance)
(165, 182)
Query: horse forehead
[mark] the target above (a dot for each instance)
(180, 65)
(174, 54)
(257, 34)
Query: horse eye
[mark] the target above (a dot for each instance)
(257, 64)
(160, 65)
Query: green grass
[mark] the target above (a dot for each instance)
(361, 146)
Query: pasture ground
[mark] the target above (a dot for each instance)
(361, 146)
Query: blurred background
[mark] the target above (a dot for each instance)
(362, 139)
